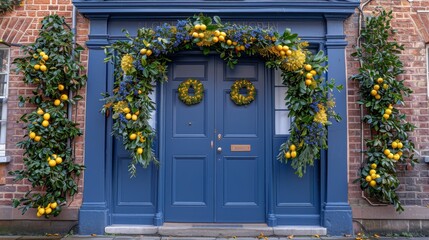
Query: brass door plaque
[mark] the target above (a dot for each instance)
(240, 148)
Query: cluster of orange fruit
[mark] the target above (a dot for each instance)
(281, 51)
(46, 210)
(388, 111)
(309, 76)
(55, 160)
(63, 97)
(207, 38)
(292, 152)
(41, 65)
(128, 114)
(146, 52)
(372, 176)
(394, 156)
(376, 88)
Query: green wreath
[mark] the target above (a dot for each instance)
(184, 91)
(241, 99)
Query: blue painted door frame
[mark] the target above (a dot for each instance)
(316, 21)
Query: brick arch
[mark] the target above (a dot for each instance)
(13, 29)
(421, 20)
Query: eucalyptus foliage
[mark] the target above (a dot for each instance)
(380, 91)
(50, 65)
(141, 61)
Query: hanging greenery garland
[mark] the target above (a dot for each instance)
(184, 88)
(239, 98)
(7, 5)
(141, 61)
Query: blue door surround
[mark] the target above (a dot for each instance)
(317, 21)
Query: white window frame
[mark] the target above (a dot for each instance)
(3, 117)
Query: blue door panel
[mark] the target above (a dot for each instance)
(133, 198)
(189, 181)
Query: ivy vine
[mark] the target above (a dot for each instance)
(52, 66)
(380, 92)
(7, 5)
(142, 60)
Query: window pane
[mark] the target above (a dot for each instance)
(4, 58)
(280, 94)
(152, 120)
(278, 78)
(282, 122)
(3, 82)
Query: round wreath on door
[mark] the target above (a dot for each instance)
(184, 91)
(241, 99)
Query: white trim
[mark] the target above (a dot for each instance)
(427, 69)
(3, 117)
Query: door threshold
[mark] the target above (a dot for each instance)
(214, 230)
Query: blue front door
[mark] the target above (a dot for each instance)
(214, 150)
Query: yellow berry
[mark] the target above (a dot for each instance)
(396, 157)
(308, 82)
(287, 155)
(386, 152)
(377, 96)
(45, 57)
(126, 110)
(390, 156)
(388, 111)
(37, 138)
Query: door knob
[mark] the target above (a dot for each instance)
(219, 149)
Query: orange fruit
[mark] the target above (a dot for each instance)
(37, 138)
(373, 183)
(53, 205)
(223, 34)
(293, 154)
(372, 171)
(287, 155)
(308, 82)
(388, 111)
(376, 87)
(386, 152)
(380, 80)
(221, 38)
(41, 211)
(378, 176)
(308, 67)
(40, 111)
(60, 87)
(57, 102)
(149, 52)
(385, 116)
(373, 166)
(377, 96)
(373, 92)
(139, 150)
(390, 106)
(45, 123)
(288, 52)
(45, 57)
(32, 135)
(396, 157)
(228, 42)
(285, 48)
(292, 147)
(394, 144)
(195, 34)
(48, 210)
(215, 39)
(197, 27)
(203, 27)
(400, 145)
(313, 72)
(42, 53)
(134, 117)
(36, 67)
(368, 178)
(143, 51)
(64, 97)
(38, 214)
(385, 86)
(59, 160)
(373, 176)
(390, 156)
(217, 33)
(126, 110)
(52, 163)
(279, 47)
(43, 68)
(309, 76)
(46, 116)
(128, 116)
(201, 35)
(133, 136)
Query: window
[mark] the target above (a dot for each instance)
(4, 78)
(282, 121)
(427, 69)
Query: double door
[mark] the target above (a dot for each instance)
(214, 150)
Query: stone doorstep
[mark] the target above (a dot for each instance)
(214, 230)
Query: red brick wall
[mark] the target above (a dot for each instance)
(413, 33)
(21, 27)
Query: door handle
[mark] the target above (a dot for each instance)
(219, 149)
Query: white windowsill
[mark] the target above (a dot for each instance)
(4, 159)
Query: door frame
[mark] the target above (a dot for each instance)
(268, 165)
